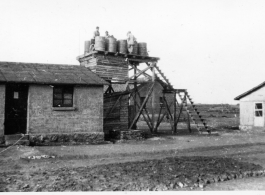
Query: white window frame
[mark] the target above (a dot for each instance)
(262, 109)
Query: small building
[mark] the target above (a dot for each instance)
(158, 96)
(252, 108)
(50, 103)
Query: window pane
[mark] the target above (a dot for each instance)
(57, 103)
(67, 102)
(57, 96)
(162, 102)
(57, 90)
(68, 96)
(258, 113)
(68, 90)
(63, 96)
(259, 106)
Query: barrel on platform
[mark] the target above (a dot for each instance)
(112, 45)
(100, 43)
(106, 44)
(87, 46)
(122, 46)
(142, 49)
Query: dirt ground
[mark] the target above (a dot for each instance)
(73, 167)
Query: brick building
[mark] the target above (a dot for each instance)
(50, 103)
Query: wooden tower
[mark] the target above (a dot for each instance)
(124, 107)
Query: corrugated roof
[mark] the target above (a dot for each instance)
(250, 91)
(48, 74)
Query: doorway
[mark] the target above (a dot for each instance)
(16, 109)
(258, 115)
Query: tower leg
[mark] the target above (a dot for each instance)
(153, 100)
(135, 91)
(175, 114)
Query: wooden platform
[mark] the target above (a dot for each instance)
(112, 66)
(130, 57)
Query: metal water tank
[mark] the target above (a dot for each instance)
(112, 44)
(100, 43)
(142, 49)
(123, 46)
(87, 46)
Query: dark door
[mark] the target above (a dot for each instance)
(16, 109)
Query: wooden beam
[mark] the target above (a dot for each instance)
(135, 89)
(153, 97)
(169, 112)
(147, 113)
(188, 122)
(180, 111)
(148, 122)
(158, 119)
(175, 114)
(142, 106)
(139, 73)
(163, 116)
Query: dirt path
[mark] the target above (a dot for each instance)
(241, 147)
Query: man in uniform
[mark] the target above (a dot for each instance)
(96, 32)
(130, 41)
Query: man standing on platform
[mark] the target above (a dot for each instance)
(107, 35)
(96, 32)
(130, 41)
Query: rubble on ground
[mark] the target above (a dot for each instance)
(173, 173)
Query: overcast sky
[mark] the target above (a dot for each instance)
(213, 48)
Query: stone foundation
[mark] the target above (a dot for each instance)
(66, 139)
(128, 135)
(251, 128)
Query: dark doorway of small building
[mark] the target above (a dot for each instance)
(16, 109)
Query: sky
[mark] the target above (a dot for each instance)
(213, 48)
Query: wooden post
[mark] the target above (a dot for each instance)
(188, 115)
(135, 90)
(175, 114)
(153, 98)
(188, 122)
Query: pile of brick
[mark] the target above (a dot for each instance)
(133, 135)
(128, 135)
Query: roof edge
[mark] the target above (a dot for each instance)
(250, 91)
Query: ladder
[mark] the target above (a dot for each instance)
(194, 111)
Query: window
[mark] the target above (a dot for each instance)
(162, 104)
(63, 96)
(258, 109)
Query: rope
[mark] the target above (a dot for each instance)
(13, 144)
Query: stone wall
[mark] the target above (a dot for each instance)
(87, 118)
(2, 112)
(67, 139)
